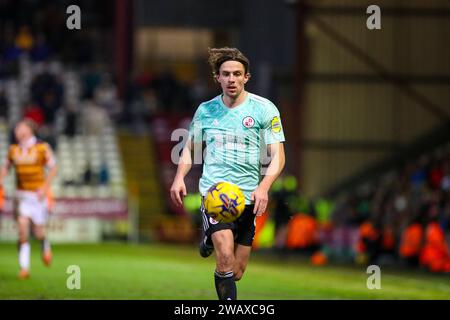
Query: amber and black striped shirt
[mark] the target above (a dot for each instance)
(30, 164)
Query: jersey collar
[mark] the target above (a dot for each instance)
(222, 104)
(29, 143)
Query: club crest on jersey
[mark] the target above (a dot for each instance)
(248, 122)
(213, 221)
(276, 125)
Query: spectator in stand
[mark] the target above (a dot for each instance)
(94, 118)
(11, 53)
(34, 112)
(167, 89)
(91, 80)
(151, 100)
(106, 96)
(50, 106)
(103, 174)
(70, 128)
(88, 176)
(3, 105)
(435, 175)
(24, 39)
(9, 56)
(419, 174)
(47, 91)
(41, 51)
(43, 130)
(352, 218)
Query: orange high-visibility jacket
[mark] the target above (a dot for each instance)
(366, 231)
(302, 231)
(435, 255)
(411, 241)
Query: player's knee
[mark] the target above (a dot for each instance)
(23, 235)
(39, 234)
(225, 261)
(39, 237)
(23, 238)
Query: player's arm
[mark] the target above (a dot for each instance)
(51, 173)
(49, 178)
(178, 188)
(261, 195)
(3, 173)
(5, 168)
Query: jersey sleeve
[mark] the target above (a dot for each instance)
(272, 126)
(195, 127)
(49, 157)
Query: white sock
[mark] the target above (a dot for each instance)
(24, 256)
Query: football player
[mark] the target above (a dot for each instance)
(237, 127)
(30, 157)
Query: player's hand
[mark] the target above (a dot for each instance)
(260, 197)
(41, 193)
(177, 190)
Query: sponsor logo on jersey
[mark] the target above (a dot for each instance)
(276, 125)
(248, 122)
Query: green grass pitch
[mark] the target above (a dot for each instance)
(120, 271)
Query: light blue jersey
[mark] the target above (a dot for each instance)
(236, 140)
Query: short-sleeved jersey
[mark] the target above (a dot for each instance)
(235, 140)
(30, 164)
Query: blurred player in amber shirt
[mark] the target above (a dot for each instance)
(30, 158)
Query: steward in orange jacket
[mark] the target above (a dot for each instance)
(435, 255)
(369, 241)
(302, 232)
(411, 243)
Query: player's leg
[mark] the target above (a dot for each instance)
(223, 241)
(205, 247)
(39, 219)
(245, 233)
(241, 257)
(46, 252)
(23, 226)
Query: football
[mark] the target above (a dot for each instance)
(224, 202)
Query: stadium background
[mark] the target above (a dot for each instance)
(365, 112)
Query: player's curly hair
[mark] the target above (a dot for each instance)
(217, 56)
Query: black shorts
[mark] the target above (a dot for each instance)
(243, 228)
